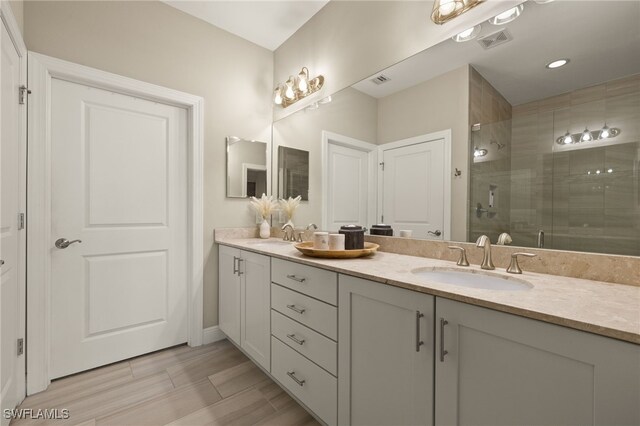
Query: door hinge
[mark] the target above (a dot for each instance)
(23, 92)
(382, 165)
(20, 346)
(20, 221)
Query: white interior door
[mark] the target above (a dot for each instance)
(413, 188)
(349, 181)
(12, 237)
(119, 184)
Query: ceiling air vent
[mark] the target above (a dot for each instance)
(495, 39)
(380, 79)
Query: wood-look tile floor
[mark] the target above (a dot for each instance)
(214, 384)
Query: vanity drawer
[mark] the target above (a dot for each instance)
(302, 339)
(316, 388)
(314, 282)
(313, 313)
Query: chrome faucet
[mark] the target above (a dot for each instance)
(312, 226)
(485, 242)
(286, 236)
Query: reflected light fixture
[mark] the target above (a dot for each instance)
(478, 152)
(557, 63)
(507, 16)
(446, 10)
(296, 88)
(588, 135)
(467, 35)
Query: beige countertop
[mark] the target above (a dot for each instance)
(611, 310)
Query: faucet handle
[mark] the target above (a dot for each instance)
(514, 267)
(463, 256)
(299, 239)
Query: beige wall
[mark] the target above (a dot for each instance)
(438, 104)
(348, 41)
(17, 8)
(351, 113)
(153, 42)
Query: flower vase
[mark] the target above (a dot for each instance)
(265, 229)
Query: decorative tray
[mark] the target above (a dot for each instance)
(307, 249)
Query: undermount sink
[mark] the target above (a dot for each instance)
(269, 243)
(472, 279)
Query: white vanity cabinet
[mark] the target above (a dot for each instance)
(385, 354)
(244, 301)
(502, 369)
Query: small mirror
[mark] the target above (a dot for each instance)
(246, 168)
(293, 173)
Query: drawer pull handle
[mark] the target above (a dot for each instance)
(418, 341)
(294, 308)
(292, 374)
(293, 277)
(295, 339)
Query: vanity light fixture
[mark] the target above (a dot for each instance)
(467, 35)
(446, 10)
(507, 16)
(557, 63)
(296, 88)
(479, 152)
(588, 135)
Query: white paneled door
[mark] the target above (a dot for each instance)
(12, 236)
(119, 199)
(413, 188)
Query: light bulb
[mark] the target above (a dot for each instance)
(289, 91)
(586, 135)
(567, 138)
(447, 7)
(557, 63)
(604, 133)
(303, 79)
(277, 96)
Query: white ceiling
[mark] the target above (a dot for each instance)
(602, 39)
(265, 23)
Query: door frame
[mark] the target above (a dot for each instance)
(429, 137)
(42, 69)
(348, 142)
(10, 23)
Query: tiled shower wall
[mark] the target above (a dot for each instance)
(491, 172)
(585, 196)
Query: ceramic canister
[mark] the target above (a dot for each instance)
(336, 241)
(353, 237)
(381, 229)
(321, 240)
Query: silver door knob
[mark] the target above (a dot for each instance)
(63, 243)
(437, 233)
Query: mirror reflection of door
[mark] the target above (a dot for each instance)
(246, 168)
(413, 182)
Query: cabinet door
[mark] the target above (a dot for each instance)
(501, 369)
(385, 377)
(255, 299)
(229, 292)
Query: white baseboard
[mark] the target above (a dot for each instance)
(212, 334)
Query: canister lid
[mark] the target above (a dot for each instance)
(351, 228)
(381, 226)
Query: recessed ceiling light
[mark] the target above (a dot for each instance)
(467, 35)
(507, 16)
(557, 63)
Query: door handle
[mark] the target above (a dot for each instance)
(418, 341)
(235, 268)
(63, 243)
(437, 232)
